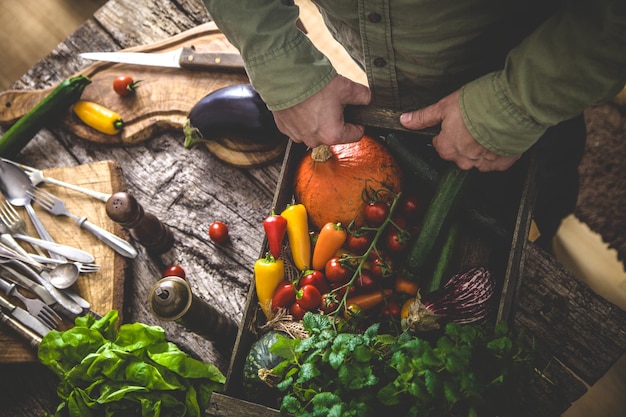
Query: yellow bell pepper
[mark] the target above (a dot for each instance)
(298, 235)
(98, 117)
(268, 273)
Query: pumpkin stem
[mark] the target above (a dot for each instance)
(321, 153)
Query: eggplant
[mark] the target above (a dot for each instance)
(236, 117)
(466, 298)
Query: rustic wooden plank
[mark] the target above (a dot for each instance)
(577, 333)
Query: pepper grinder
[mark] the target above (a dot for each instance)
(144, 227)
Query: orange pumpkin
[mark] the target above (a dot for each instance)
(332, 181)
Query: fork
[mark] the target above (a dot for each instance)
(37, 177)
(83, 267)
(54, 205)
(35, 306)
(15, 223)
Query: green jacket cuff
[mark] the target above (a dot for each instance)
(494, 120)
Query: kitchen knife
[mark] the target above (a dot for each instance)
(23, 316)
(30, 336)
(185, 57)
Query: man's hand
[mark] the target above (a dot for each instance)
(455, 143)
(319, 119)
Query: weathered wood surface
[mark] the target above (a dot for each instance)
(188, 189)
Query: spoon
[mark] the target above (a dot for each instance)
(63, 276)
(15, 186)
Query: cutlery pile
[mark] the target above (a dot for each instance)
(33, 270)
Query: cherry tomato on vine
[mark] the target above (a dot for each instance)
(218, 232)
(353, 311)
(366, 282)
(336, 272)
(174, 271)
(329, 303)
(358, 243)
(375, 213)
(124, 85)
(410, 206)
(381, 267)
(296, 311)
(391, 310)
(396, 241)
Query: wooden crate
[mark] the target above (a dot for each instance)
(500, 248)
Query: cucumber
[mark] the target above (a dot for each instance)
(47, 110)
(438, 211)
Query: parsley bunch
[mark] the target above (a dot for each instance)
(466, 371)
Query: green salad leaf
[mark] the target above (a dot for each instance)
(106, 370)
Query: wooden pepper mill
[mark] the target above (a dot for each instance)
(144, 227)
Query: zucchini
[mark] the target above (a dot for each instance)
(438, 211)
(444, 261)
(47, 110)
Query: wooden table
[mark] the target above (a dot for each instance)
(578, 332)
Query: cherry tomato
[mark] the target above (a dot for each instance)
(336, 272)
(382, 267)
(329, 303)
(366, 282)
(309, 297)
(410, 206)
(391, 310)
(317, 278)
(396, 241)
(174, 271)
(296, 311)
(124, 85)
(375, 213)
(339, 289)
(353, 311)
(358, 242)
(218, 232)
(284, 296)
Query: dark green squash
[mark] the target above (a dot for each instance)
(260, 357)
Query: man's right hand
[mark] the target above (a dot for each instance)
(319, 119)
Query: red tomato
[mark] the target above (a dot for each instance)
(218, 232)
(124, 85)
(382, 267)
(358, 242)
(375, 213)
(174, 271)
(410, 206)
(336, 272)
(396, 241)
(309, 297)
(366, 282)
(391, 310)
(296, 311)
(284, 296)
(317, 278)
(329, 303)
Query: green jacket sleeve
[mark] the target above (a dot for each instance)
(575, 59)
(282, 63)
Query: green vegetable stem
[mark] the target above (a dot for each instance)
(130, 371)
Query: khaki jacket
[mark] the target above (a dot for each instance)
(522, 66)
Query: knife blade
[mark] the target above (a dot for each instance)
(29, 284)
(185, 57)
(23, 316)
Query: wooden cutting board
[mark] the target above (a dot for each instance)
(162, 101)
(104, 289)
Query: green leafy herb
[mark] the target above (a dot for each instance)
(466, 371)
(128, 371)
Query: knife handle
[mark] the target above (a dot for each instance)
(30, 336)
(229, 61)
(382, 118)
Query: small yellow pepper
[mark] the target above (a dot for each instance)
(268, 273)
(298, 235)
(98, 117)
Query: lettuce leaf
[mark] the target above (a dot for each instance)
(110, 370)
